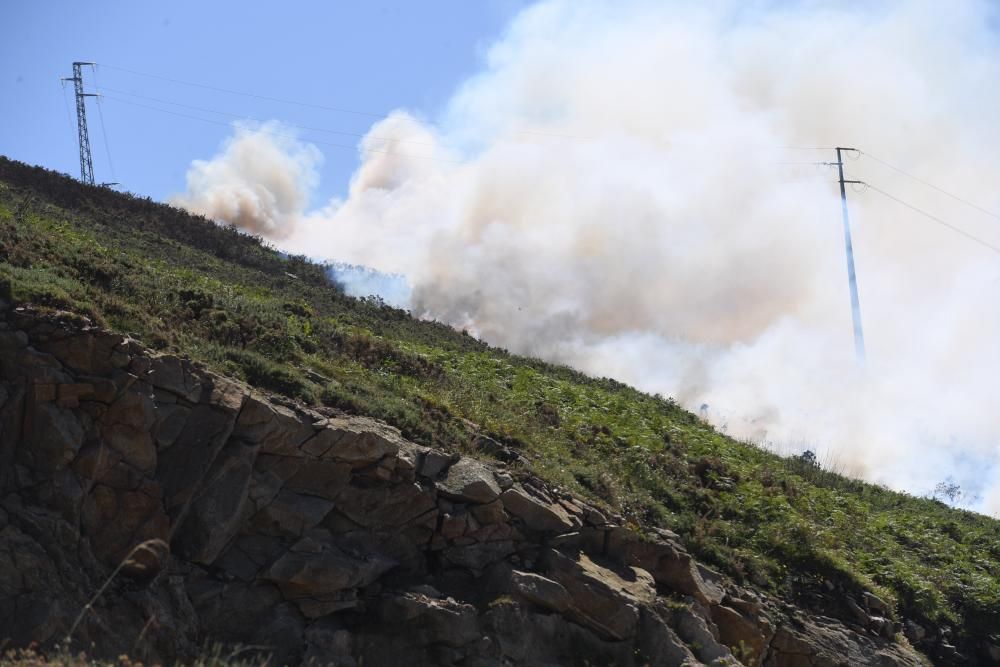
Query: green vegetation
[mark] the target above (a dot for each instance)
(183, 284)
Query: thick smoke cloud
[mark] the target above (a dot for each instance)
(613, 191)
(260, 181)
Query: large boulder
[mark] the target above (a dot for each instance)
(537, 513)
(469, 481)
(603, 598)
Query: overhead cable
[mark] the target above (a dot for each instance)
(932, 186)
(359, 135)
(311, 105)
(936, 219)
(281, 134)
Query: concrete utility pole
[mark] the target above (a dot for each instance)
(852, 279)
(86, 164)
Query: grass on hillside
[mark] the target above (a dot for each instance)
(181, 283)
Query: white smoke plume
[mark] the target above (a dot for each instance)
(260, 181)
(613, 191)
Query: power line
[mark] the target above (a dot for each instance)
(936, 219)
(857, 153)
(244, 93)
(932, 186)
(282, 100)
(104, 134)
(104, 129)
(281, 134)
(69, 117)
(261, 120)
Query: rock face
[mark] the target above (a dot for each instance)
(327, 538)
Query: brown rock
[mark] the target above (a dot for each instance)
(126, 427)
(175, 375)
(539, 590)
(359, 441)
(536, 513)
(291, 514)
(469, 481)
(667, 561)
(183, 466)
(603, 599)
(478, 556)
(226, 394)
(90, 352)
(435, 621)
(103, 389)
(385, 507)
(589, 540)
(217, 510)
(117, 520)
(452, 526)
(277, 429)
(319, 570)
(69, 394)
(875, 604)
(915, 632)
(747, 637)
(29, 605)
(490, 513)
(694, 626)
(327, 604)
(824, 641)
(433, 463)
(660, 645)
(169, 424)
(55, 437)
(325, 479)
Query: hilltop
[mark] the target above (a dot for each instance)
(781, 528)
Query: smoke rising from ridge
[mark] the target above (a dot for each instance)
(260, 181)
(612, 191)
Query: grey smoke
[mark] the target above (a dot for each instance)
(611, 191)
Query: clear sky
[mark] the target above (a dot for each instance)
(361, 56)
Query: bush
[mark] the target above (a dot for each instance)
(262, 372)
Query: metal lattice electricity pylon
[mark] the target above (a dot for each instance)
(86, 163)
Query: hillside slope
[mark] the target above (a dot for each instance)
(181, 284)
(318, 538)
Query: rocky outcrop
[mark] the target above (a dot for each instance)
(240, 519)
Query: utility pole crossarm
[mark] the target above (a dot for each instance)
(852, 279)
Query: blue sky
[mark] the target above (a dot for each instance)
(362, 56)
